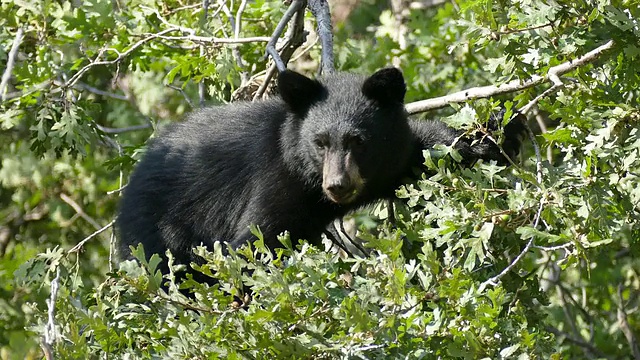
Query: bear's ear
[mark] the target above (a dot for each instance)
(385, 86)
(298, 91)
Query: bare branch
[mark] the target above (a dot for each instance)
(160, 35)
(37, 87)
(74, 79)
(236, 25)
(98, 232)
(265, 84)
(425, 4)
(513, 31)
(244, 76)
(211, 40)
(578, 342)
(201, 88)
(543, 129)
(552, 75)
(112, 250)
(79, 210)
(624, 325)
(295, 6)
(187, 7)
(186, 97)
(322, 13)
(91, 89)
(401, 16)
(50, 332)
(536, 148)
(534, 102)
(493, 281)
(108, 130)
(292, 40)
(565, 247)
(11, 60)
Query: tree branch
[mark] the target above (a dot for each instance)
(96, 233)
(322, 13)
(11, 60)
(553, 75)
(493, 281)
(624, 325)
(50, 332)
(109, 130)
(294, 37)
(578, 342)
(295, 6)
(79, 210)
(160, 35)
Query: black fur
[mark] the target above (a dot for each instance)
(294, 163)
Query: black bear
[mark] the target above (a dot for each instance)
(294, 163)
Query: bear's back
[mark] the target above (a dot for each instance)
(192, 184)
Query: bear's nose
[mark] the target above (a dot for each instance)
(339, 188)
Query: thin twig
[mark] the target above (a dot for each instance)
(201, 87)
(578, 342)
(97, 91)
(211, 40)
(292, 40)
(566, 247)
(79, 210)
(552, 75)
(494, 280)
(187, 7)
(525, 109)
(244, 76)
(536, 149)
(160, 35)
(74, 79)
(624, 325)
(96, 233)
(109, 130)
(186, 97)
(265, 84)
(34, 88)
(543, 129)
(118, 190)
(11, 60)
(513, 31)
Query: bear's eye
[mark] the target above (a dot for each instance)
(321, 144)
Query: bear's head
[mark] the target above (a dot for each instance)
(353, 134)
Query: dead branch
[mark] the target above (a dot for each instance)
(79, 210)
(50, 332)
(96, 233)
(160, 35)
(624, 325)
(553, 75)
(295, 6)
(293, 39)
(322, 13)
(579, 342)
(11, 60)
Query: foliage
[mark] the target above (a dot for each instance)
(539, 260)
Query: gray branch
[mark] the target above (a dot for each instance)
(11, 60)
(295, 6)
(624, 325)
(322, 13)
(487, 91)
(50, 332)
